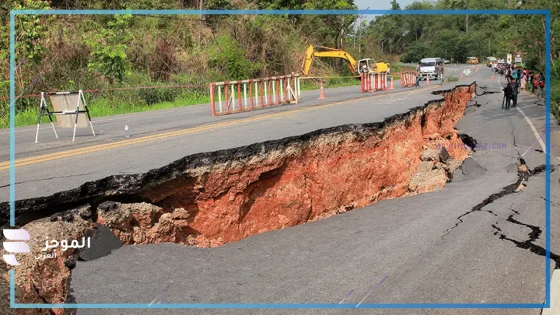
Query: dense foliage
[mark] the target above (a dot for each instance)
(99, 52)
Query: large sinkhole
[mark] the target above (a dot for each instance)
(209, 199)
(212, 198)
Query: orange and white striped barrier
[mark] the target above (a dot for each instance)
(372, 82)
(262, 93)
(408, 79)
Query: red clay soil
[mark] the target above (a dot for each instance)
(324, 176)
(263, 188)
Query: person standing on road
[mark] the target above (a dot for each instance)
(514, 73)
(418, 74)
(507, 94)
(442, 73)
(541, 82)
(535, 83)
(438, 71)
(531, 81)
(514, 92)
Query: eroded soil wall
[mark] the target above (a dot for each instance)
(331, 172)
(212, 198)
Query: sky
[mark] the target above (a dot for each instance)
(378, 5)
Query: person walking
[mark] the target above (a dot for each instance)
(441, 73)
(517, 75)
(540, 86)
(418, 74)
(514, 92)
(534, 83)
(507, 95)
(438, 71)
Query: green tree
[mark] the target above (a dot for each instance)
(109, 48)
(332, 28)
(228, 58)
(30, 30)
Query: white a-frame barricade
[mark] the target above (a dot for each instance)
(67, 106)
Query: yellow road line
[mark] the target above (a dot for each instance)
(123, 143)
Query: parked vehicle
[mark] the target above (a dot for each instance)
(501, 67)
(446, 61)
(472, 60)
(490, 61)
(356, 66)
(428, 68)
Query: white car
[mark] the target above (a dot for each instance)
(446, 61)
(428, 68)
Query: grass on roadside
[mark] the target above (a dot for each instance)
(101, 106)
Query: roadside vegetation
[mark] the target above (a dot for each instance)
(63, 53)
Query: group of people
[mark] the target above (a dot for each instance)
(439, 73)
(517, 79)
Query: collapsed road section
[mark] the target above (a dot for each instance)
(209, 199)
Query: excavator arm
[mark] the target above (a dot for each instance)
(319, 51)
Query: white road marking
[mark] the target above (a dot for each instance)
(555, 281)
(528, 121)
(534, 130)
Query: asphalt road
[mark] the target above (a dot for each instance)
(430, 248)
(54, 165)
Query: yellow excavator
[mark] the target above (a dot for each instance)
(367, 65)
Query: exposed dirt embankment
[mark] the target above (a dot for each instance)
(320, 175)
(212, 198)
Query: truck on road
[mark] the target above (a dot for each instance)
(472, 60)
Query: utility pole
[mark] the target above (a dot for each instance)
(467, 20)
(200, 26)
(360, 17)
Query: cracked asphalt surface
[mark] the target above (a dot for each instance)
(474, 241)
(51, 176)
